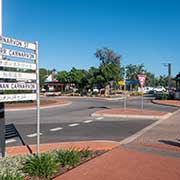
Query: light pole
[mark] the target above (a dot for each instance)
(2, 119)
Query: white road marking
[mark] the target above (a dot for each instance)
(88, 121)
(56, 129)
(33, 135)
(10, 141)
(72, 125)
(99, 118)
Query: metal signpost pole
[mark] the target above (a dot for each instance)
(2, 119)
(125, 98)
(142, 101)
(38, 100)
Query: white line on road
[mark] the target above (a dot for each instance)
(99, 118)
(10, 141)
(56, 129)
(33, 135)
(88, 121)
(72, 125)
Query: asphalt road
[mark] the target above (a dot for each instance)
(74, 122)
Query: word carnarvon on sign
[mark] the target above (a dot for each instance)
(14, 53)
(17, 86)
(17, 43)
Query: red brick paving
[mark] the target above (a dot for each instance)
(123, 164)
(44, 103)
(94, 145)
(130, 111)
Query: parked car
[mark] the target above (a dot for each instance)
(159, 89)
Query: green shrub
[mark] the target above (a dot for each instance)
(85, 153)
(163, 96)
(12, 167)
(8, 177)
(43, 166)
(67, 158)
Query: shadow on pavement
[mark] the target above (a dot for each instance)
(96, 107)
(172, 143)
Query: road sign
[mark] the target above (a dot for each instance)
(17, 43)
(17, 97)
(122, 83)
(19, 54)
(17, 64)
(17, 86)
(17, 75)
(141, 78)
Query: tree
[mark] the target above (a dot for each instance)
(63, 77)
(43, 74)
(109, 69)
(133, 70)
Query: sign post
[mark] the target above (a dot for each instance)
(142, 78)
(18, 80)
(2, 119)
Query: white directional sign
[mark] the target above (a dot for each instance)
(19, 54)
(17, 43)
(17, 75)
(17, 64)
(17, 86)
(17, 97)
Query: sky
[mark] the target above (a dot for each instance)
(70, 31)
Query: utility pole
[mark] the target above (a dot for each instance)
(169, 74)
(2, 119)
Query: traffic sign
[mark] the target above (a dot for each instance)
(17, 43)
(17, 64)
(17, 97)
(141, 78)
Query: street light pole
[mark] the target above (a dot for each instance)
(2, 119)
(169, 74)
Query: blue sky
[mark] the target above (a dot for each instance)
(70, 31)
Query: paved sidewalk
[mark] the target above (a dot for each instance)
(137, 160)
(94, 145)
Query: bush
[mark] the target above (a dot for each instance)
(11, 167)
(136, 93)
(43, 166)
(85, 153)
(67, 158)
(163, 96)
(8, 177)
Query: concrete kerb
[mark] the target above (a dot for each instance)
(33, 108)
(131, 116)
(171, 105)
(141, 132)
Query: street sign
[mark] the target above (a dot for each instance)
(17, 86)
(17, 64)
(17, 75)
(17, 43)
(17, 97)
(141, 78)
(19, 54)
(30, 52)
(122, 83)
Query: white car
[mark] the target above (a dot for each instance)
(159, 89)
